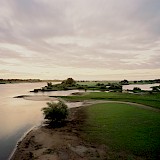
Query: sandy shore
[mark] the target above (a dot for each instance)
(40, 98)
(37, 97)
(65, 143)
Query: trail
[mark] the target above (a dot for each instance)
(91, 102)
(87, 102)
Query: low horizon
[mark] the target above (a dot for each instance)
(78, 79)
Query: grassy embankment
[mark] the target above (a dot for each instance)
(152, 100)
(124, 128)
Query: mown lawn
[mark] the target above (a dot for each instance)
(152, 100)
(124, 128)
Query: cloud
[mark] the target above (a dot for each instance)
(80, 34)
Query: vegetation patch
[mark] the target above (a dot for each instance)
(71, 84)
(112, 86)
(124, 128)
(55, 113)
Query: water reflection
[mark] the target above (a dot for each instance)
(18, 115)
(142, 86)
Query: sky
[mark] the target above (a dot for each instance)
(82, 39)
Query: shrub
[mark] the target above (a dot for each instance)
(136, 89)
(55, 113)
(69, 82)
(156, 88)
(124, 82)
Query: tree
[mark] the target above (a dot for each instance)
(156, 88)
(49, 85)
(136, 89)
(55, 113)
(124, 82)
(69, 81)
(115, 87)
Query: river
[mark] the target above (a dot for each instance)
(142, 86)
(17, 115)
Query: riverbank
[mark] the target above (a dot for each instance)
(83, 102)
(59, 143)
(69, 142)
(40, 98)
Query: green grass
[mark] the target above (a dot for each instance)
(124, 127)
(93, 83)
(152, 100)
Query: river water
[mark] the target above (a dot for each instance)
(142, 86)
(17, 115)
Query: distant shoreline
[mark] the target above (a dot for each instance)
(13, 81)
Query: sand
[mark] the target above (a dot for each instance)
(40, 98)
(65, 143)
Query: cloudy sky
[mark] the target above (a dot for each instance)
(83, 39)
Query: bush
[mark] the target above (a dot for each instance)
(124, 82)
(156, 88)
(136, 89)
(55, 113)
(69, 82)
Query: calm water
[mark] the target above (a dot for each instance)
(17, 115)
(142, 86)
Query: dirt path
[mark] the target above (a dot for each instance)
(90, 102)
(85, 102)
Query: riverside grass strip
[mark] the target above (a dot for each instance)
(152, 100)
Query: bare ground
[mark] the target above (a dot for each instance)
(63, 143)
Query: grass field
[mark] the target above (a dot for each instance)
(152, 100)
(93, 83)
(125, 128)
